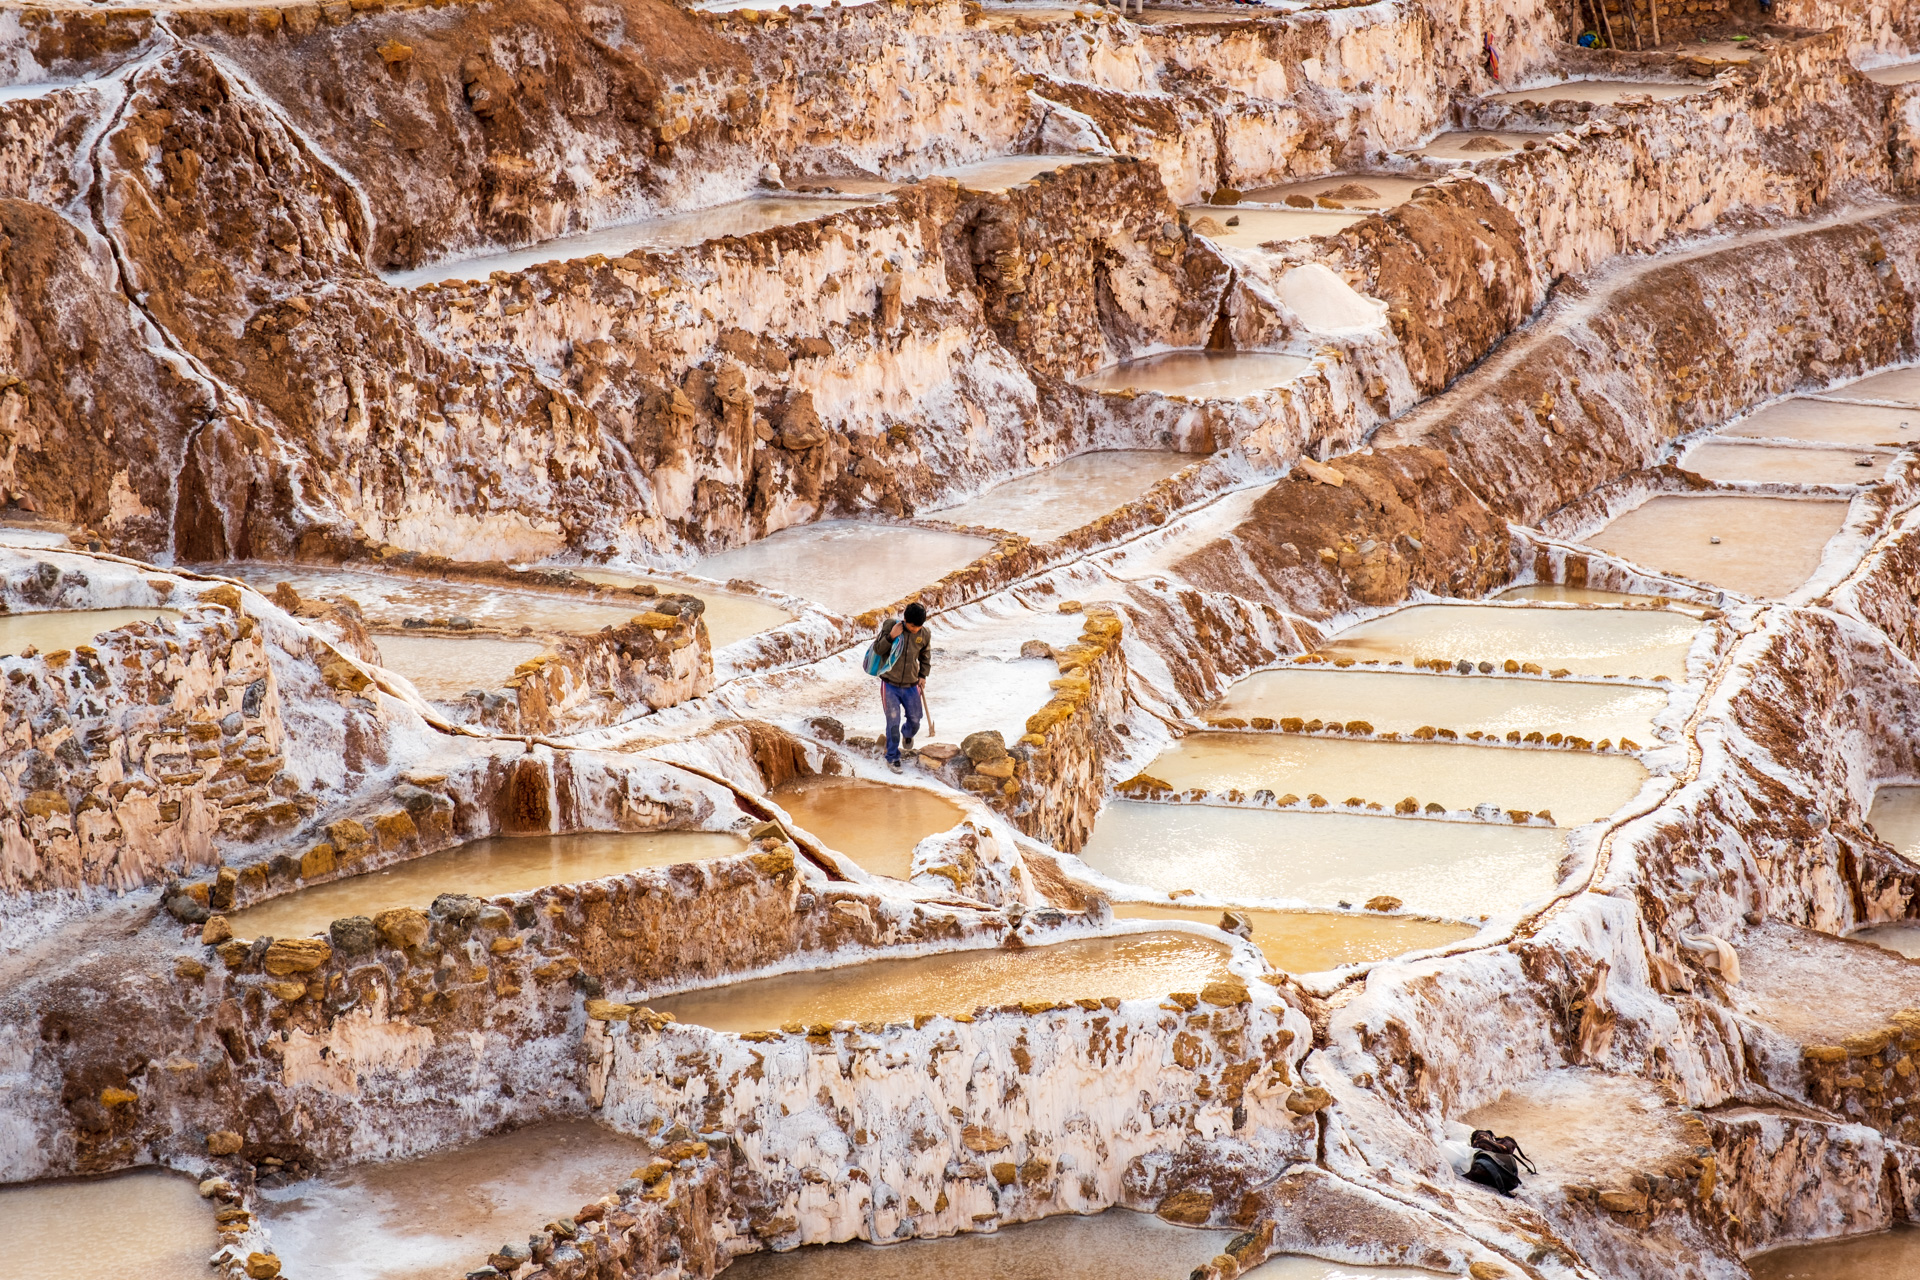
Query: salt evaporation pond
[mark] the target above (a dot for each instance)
(1766, 546)
(1116, 1245)
(1902, 937)
(65, 628)
(1773, 463)
(1402, 703)
(1587, 642)
(1470, 145)
(1461, 870)
(1315, 941)
(441, 1215)
(1561, 593)
(1064, 497)
(847, 566)
(1895, 818)
(1003, 172)
(1901, 386)
(1132, 966)
(148, 1223)
(1830, 422)
(1238, 227)
(1202, 375)
(729, 617)
(446, 668)
(674, 231)
(1899, 73)
(874, 823)
(1575, 786)
(389, 601)
(1346, 189)
(1600, 92)
(484, 869)
(1888, 1255)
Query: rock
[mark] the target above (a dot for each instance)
(1001, 768)
(215, 1187)
(115, 1097)
(188, 968)
(939, 752)
(1487, 1270)
(289, 956)
(223, 1142)
(1205, 226)
(186, 910)
(402, 927)
(1481, 145)
(316, 862)
(1623, 1201)
(262, 1266)
(768, 830)
(608, 1011)
(829, 728)
(215, 931)
(393, 53)
(1071, 606)
(1321, 472)
(1189, 1208)
(460, 909)
(509, 1256)
(1225, 993)
(1036, 649)
(1352, 191)
(984, 746)
(1384, 902)
(1224, 195)
(352, 935)
(800, 425)
(1305, 1102)
(982, 1139)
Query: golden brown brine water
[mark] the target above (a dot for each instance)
(66, 628)
(1313, 941)
(1460, 870)
(1132, 966)
(149, 1224)
(441, 1215)
(1574, 786)
(1719, 461)
(1068, 495)
(1560, 593)
(1585, 642)
(1888, 1255)
(508, 864)
(389, 600)
(1830, 422)
(875, 824)
(445, 668)
(1203, 375)
(729, 617)
(1403, 703)
(847, 566)
(1767, 546)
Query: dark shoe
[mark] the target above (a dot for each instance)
(894, 765)
(906, 745)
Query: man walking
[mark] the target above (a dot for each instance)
(901, 655)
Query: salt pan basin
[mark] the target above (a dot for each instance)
(1758, 462)
(1201, 375)
(729, 617)
(1003, 172)
(442, 1215)
(1115, 1245)
(847, 566)
(508, 864)
(1388, 192)
(1902, 73)
(148, 1223)
(1064, 497)
(1886, 1255)
(1133, 967)
(1901, 938)
(1575, 786)
(1315, 941)
(65, 628)
(388, 601)
(445, 668)
(1587, 642)
(1560, 593)
(1767, 547)
(1830, 422)
(1254, 227)
(1900, 386)
(1603, 92)
(1402, 703)
(1895, 818)
(675, 231)
(874, 823)
(1471, 145)
(1457, 869)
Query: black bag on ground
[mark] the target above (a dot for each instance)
(1491, 1169)
(1497, 1161)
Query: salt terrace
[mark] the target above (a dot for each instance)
(1417, 510)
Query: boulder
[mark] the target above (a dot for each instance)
(289, 956)
(223, 1142)
(402, 927)
(985, 746)
(353, 935)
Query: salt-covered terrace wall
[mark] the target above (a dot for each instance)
(888, 1133)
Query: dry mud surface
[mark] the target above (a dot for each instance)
(1421, 532)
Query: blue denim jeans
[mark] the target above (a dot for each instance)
(900, 703)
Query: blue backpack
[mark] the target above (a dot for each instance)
(876, 663)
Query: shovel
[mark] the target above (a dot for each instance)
(927, 707)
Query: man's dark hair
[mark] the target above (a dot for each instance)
(916, 613)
